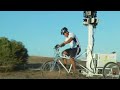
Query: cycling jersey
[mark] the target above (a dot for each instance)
(74, 43)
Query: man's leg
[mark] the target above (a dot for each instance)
(73, 64)
(75, 73)
(72, 56)
(64, 59)
(65, 62)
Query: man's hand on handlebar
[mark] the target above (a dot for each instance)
(57, 46)
(62, 45)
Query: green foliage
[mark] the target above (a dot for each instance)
(12, 53)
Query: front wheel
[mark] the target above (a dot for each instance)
(111, 70)
(50, 69)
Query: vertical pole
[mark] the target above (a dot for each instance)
(90, 49)
(90, 21)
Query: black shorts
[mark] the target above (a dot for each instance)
(72, 52)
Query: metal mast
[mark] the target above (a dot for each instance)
(90, 21)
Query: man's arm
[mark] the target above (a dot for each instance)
(66, 42)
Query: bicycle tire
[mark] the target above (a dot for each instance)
(111, 70)
(47, 73)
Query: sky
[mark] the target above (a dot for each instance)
(39, 31)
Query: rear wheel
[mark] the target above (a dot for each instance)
(50, 70)
(111, 70)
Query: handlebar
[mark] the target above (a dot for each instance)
(57, 47)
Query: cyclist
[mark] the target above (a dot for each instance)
(75, 49)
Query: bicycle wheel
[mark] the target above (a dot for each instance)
(111, 70)
(50, 70)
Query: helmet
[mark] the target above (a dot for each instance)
(64, 30)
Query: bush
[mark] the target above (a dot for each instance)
(12, 54)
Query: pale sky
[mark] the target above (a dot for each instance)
(39, 31)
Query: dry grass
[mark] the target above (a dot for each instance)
(36, 62)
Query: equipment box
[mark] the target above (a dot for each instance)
(102, 59)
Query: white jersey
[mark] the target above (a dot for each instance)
(74, 43)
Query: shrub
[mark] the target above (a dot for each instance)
(12, 54)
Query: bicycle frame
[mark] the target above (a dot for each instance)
(58, 57)
(50, 66)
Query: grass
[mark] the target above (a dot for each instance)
(35, 62)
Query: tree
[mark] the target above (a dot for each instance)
(12, 53)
